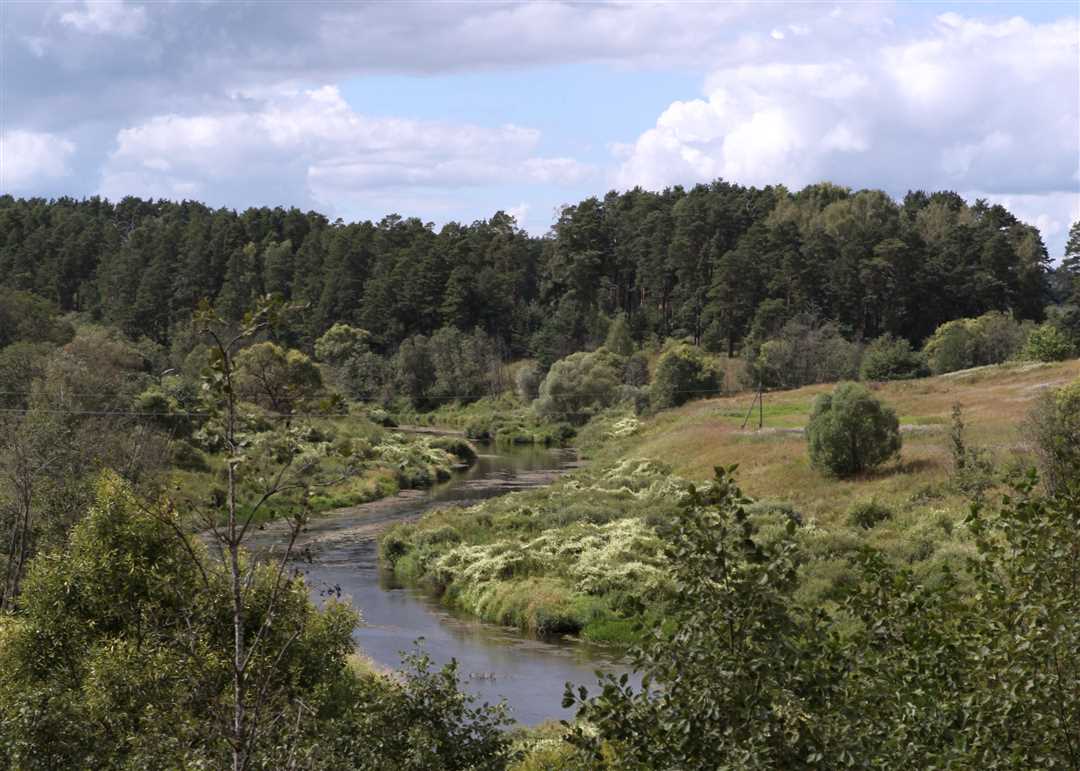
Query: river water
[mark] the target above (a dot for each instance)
(339, 558)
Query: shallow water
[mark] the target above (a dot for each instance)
(339, 557)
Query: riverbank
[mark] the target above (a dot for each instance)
(337, 554)
(367, 462)
(585, 556)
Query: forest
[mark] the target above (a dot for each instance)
(885, 574)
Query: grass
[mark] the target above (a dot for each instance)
(703, 434)
(582, 556)
(503, 419)
(363, 462)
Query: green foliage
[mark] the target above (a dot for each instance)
(698, 263)
(803, 351)
(618, 338)
(683, 373)
(467, 366)
(417, 720)
(277, 379)
(578, 557)
(527, 381)
(1048, 343)
(903, 674)
(27, 318)
(867, 514)
(139, 619)
(456, 446)
(715, 690)
(959, 344)
(340, 343)
(850, 431)
(1053, 426)
(890, 358)
(973, 467)
(414, 371)
(579, 386)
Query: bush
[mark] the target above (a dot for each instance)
(804, 351)
(636, 370)
(962, 343)
(527, 381)
(187, 458)
(456, 446)
(683, 373)
(1054, 428)
(890, 358)
(851, 431)
(867, 514)
(1047, 343)
(579, 386)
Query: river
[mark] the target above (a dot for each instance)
(339, 550)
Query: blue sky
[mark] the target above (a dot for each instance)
(453, 110)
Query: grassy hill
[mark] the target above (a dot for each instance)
(773, 461)
(585, 554)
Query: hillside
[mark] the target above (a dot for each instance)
(773, 462)
(585, 556)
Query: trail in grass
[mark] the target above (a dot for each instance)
(337, 554)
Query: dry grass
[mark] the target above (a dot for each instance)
(773, 464)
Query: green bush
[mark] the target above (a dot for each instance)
(1048, 343)
(456, 446)
(851, 431)
(890, 358)
(867, 514)
(804, 350)
(187, 458)
(579, 386)
(1054, 428)
(962, 343)
(683, 373)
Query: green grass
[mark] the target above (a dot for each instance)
(359, 462)
(583, 557)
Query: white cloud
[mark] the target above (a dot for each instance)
(28, 159)
(971, 105)
(106, 17)
(312, 145)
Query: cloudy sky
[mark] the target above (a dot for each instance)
(453, 110)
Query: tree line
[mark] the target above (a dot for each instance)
(702, 264)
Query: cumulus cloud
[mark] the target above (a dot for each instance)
(28, 159)
(970, 106)
(992, 107)
(313, 146)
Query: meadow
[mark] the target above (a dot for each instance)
(584, 556)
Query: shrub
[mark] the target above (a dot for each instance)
(636, 370)
(962, 343)
(579, 386)
(456, 446)
(1047, 343)
(1054, 428)
(950, 348)
(186, 457)
(890, 358)
(851, 431)
(527, 381)
(683, 373)
(973, 467)
(618, 338)
(804, 351)
(867, 514)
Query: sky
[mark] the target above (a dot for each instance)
(455, 110)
